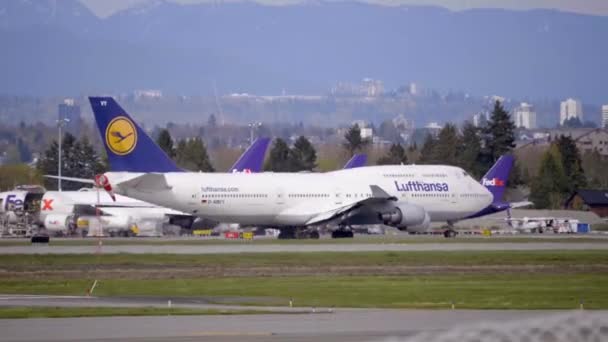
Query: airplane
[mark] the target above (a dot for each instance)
(495, 180)
(19, 208)
(58, 208)
(408, 197)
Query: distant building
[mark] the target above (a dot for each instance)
(586, 139)
(605, 116)
(402, 123)
(367, 88)
(480, 119)
(569, 109)
(70, 112)
(413, 89)
(147, 94)
(367, 133)
(525, 116)
(433, 128)
(373, 88)
(589, 200)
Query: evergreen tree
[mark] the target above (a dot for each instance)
(303, 155)
(279, 159)
(572, 163)
(447, 147)
(354, 142)
(165, 142)
(79, 159)
(428, 149)
(595, 166)
(192, 155)
(88, 162)
(470, 151)
(549, 187)
(499, 134)
(413, 155)
(573, 122)
(396, 155)
(516, 178)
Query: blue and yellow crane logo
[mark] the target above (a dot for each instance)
(121, 136)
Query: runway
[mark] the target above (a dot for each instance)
(343, 325)
(288, 324)
(273, 248)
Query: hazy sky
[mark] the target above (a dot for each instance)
(597, 7)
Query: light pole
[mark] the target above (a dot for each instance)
(60, 124)
(252, 127)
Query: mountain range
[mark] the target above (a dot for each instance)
(61, 48)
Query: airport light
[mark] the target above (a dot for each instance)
(60, 124)
(253, 126)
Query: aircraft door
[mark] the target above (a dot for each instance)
(338, 196)
(280, 196)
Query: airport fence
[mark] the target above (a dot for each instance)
(579, 326)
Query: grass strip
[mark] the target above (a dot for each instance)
(465, 291)
(310, 259)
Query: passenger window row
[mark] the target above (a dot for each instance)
(235, 195)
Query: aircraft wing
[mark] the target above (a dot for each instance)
(72, 179)
(121, 211)
(378, 196)
(520, 204)
(147, 182)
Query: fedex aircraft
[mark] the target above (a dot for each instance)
(495, 180)
(408, 197)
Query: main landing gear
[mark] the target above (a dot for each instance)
(342, 233)
(298, 233)
(450, 232)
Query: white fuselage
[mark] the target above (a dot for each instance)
(292, 199)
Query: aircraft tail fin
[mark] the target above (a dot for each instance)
(495, 180)
(252, 159)
(129, 148)
(357, 160)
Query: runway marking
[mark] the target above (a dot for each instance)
(231, 333)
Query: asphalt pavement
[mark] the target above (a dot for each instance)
(270, 248)
(341, 325)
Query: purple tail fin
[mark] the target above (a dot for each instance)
(495, 180)
(253, 158)
(357, 160)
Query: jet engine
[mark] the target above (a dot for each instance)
(57, 223)
(404, 216)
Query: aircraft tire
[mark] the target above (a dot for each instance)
(450, 233)
(341, 234)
